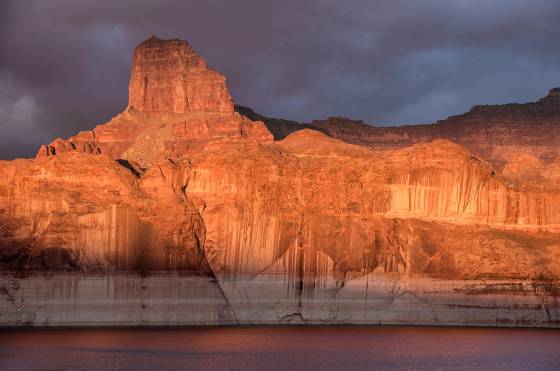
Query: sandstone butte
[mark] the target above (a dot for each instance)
(181, 181)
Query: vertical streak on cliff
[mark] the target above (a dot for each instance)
(200, 241)
(145, 92)
(114, 235)
(200, 245)
(300, 242)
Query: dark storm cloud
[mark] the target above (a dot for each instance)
(64, 64)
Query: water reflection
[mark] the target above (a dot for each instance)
(326, 348)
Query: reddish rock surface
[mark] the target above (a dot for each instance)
(179, 181)
(168, 76)
(430, 209)
(494, 133)
(176, 106)
(246, 207)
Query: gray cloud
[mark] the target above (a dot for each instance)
(64, 64)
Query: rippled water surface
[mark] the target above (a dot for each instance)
(263, 348)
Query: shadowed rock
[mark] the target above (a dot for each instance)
(181, 182)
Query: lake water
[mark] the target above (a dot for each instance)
(274, 348)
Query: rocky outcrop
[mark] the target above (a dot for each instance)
(99, 213)
(494, 133)
(350, 209)
(304, 221)
(176, 106)
(347, 206)
(143, 138)
(279, 128)
(168, 76)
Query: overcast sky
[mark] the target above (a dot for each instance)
(64, 64)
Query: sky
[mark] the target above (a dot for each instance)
(65, 64)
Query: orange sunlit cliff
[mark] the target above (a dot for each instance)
(180, 181)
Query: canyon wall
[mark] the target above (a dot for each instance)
(497, 134)
(181, 211)
(494, 133)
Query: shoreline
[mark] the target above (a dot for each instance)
(124, 300)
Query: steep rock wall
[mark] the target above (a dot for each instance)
(290, 231)
(495, 133)
(301, 210)
(97, 214)
(176, 106)
(168, 76)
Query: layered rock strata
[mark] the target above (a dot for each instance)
(168, 76)
(495, 133)
(276, 231)
(257, 204)
(176, 106)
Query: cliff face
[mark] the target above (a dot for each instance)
(168, 76)
(179, 182)
(176, 106)
(249, 207)
(494, 133)
(338, 208)
(142, 139)
(81, 211)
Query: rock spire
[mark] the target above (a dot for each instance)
(168, 76)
